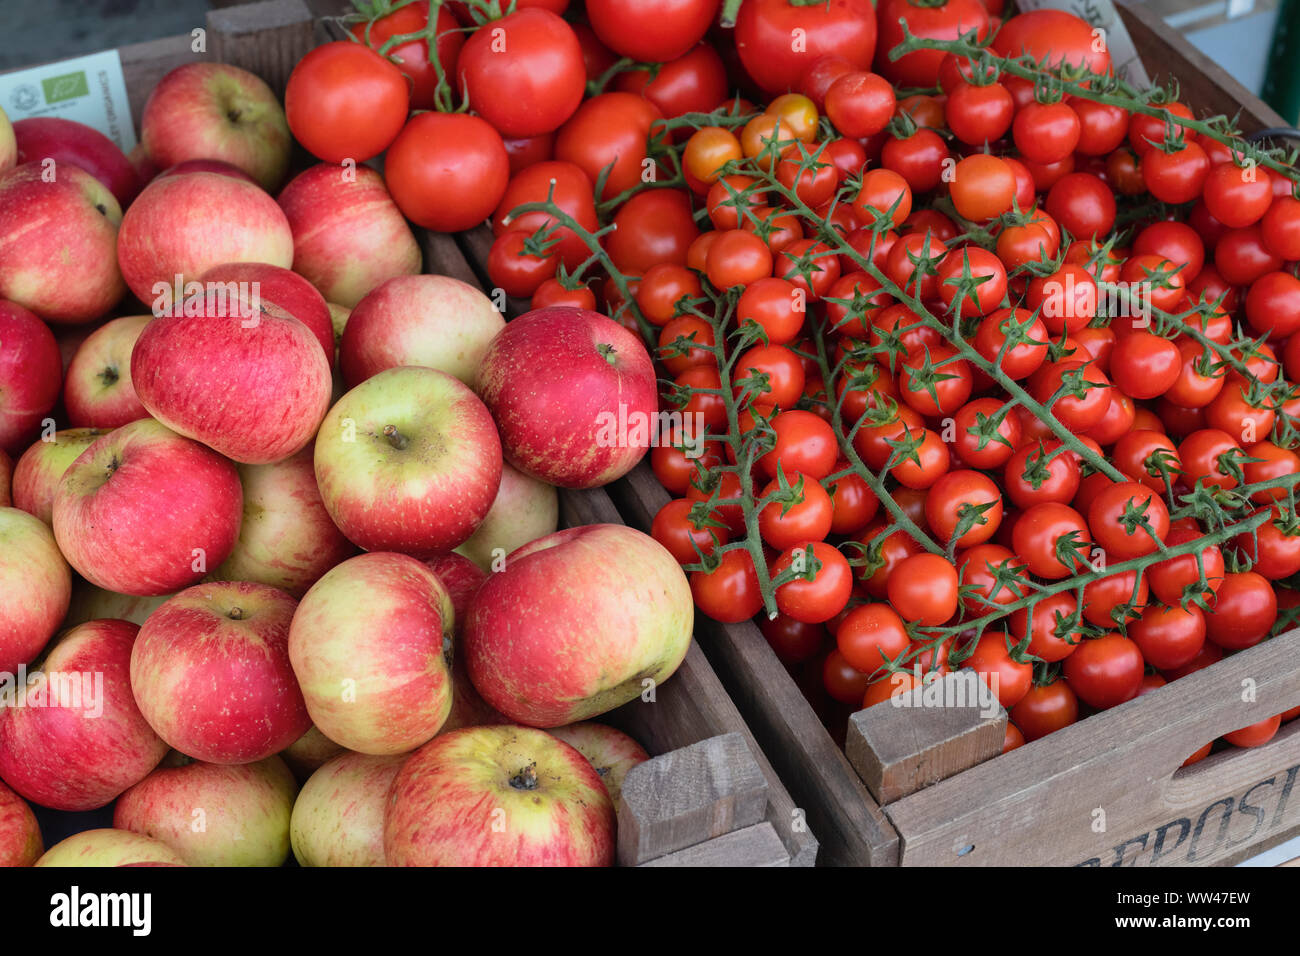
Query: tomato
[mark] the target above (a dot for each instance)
(981, 590)
(711, 406)
(1066, 299)
(776, 305)
(1044, 536)
(873, 437)
(721, 488)
(652, 227)
(1242, 612)
(1193, 387)
(1238, 197)
(729, 593)
(1232, 414)
(447, 171)
(982, 187)
(1046, 708)
(967, 497)
(662, 287)
(1102, 127)
(804, 443)
(596, 57)
(529, 150)
(1121, 592)
(1273, 305)
(854, 503)
(708, 151)
(728, 197)
(1280, 228)
(1128, 520)
(676, 334)
(890, 551)
(777, 228)
(945, 20)
(843, 683)
(918, 158)
(1175, 241)
(860, 104)
(510, 268)
(1082, 204)
(1046, 132)
(807, 518)
(792, 641)
(983, 435)
(1013, 738)
(672, 527)
(840, 28)
(1020, 245)
(1257, 734)
(1137, 455)
(1052, 37)
(1039, 472)
(1054, 631)
(809, 265)
(1147, 132)
(1169, 637)
(651, 33)
(935, 382)
(870, 636)
(1242, 257)
(737, 258)
(674, 465)
(1178, 176)
(823, 584)
(345, 101)
(1144, 365)
(412, 57)
(1009, 679)
(1174, 578)
(552, 293)
(816, 80)
(923, 589)
(972, 281)
(568, 187)
(1275, 463)
(979, 114)
(612, 128)
(1201, 453)
(884, 193)
(1274, 549)
(925, 464)
(912, 264)
(1084, 392)
(1029, 341)
(1105, 671)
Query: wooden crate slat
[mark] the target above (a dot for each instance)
(264, 38)
(144, 64)
(753, 846)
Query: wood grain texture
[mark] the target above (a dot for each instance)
(753, 846)
(687, 796)
(264, 38)
(144, 64)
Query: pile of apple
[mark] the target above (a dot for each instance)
(286, 509)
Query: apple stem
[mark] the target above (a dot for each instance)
(395, 438)
(607, 352)
(525, 779)
(236, 614)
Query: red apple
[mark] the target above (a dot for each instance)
(211, 814)
(371, 648)
(110, 848)
(217, 111)
(73, 738)
(252, 383)
(573, 395)
(145, 511)
(145, 168)
(578, 623)
(30, 374)
(348, 234)
(20, 835)
(97, 392)
(434, 321)
(524, 510)
(30, 566)
(184, 225)
(206, 166)
(408, 461)
(498, 796)
(283, 293)
(461, 577)
(610, 751)
(338, 818)
(310, 752)
(37, 473)
(57, 243)
(212, 675)
(67, 141)
(286, 539)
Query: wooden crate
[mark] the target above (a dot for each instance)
(708, 796)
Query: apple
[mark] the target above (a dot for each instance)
(408, 461)
(57, 243)
(286, 538)
(110, 848)
(145, 168)
(338, 819)
(498, 796)
(524, 510)
(578, 623)
(211, 672)
(434, 321)
(339, 315)
(461, 577)
(610, 751)
(282, 293)
(146, 511)
(214, 815)
(251, 384)
(72, 737)
(371, 646)
(348, 234)
(31, 567)
(97, 391)
(30, 374)
(206, 166)
(8, 145)
(90, 603)
(309, 753)
(20, 834)
(217, 111)
(573, 395)
(37, 473)
(67, 141)
(184, 225)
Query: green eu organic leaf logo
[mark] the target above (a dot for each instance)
(66, 87)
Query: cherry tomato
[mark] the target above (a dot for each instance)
(1105, 671)
(1009, 679)
(412, 57)
(870, 636)
(1242, 612)
(730, 593)
(1046, 708)
(823, 586)
(1048, 535)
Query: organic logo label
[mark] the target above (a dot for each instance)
(69, 86)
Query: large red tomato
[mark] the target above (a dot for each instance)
(524, 73)
(945, 20)
(447, 171)
(651, 31)
(345, 101)
(693, 83)
(610, 128)
(568, 187)
(412, 57)
(776, 56)
(1058, 36)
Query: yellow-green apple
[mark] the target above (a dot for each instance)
(310, 752)
(249, 383)
(110, 848)
(211, 672)
(182, 226)
(36, 583)
(578, 623)
(97, 390)
(435, 321)
(462, 577)
(573, 395)
(90, 603)
(20, 834)
(286, 538)
(524, 510)
(339, 315)
(72, 737)
(280, 292)
(6, 480)
(146, 511)
(8, 145)
(371, 646)
(610, 751)
(58, 236)
(338, 818)
(67, 141)
(498, 796)
(37, 473)
(408, 461)
(217, 111)
(214, 814)
(348, 234)
(31, 372)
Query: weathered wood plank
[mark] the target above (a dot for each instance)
(144, 64)
(266, 38)
(753, 846)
